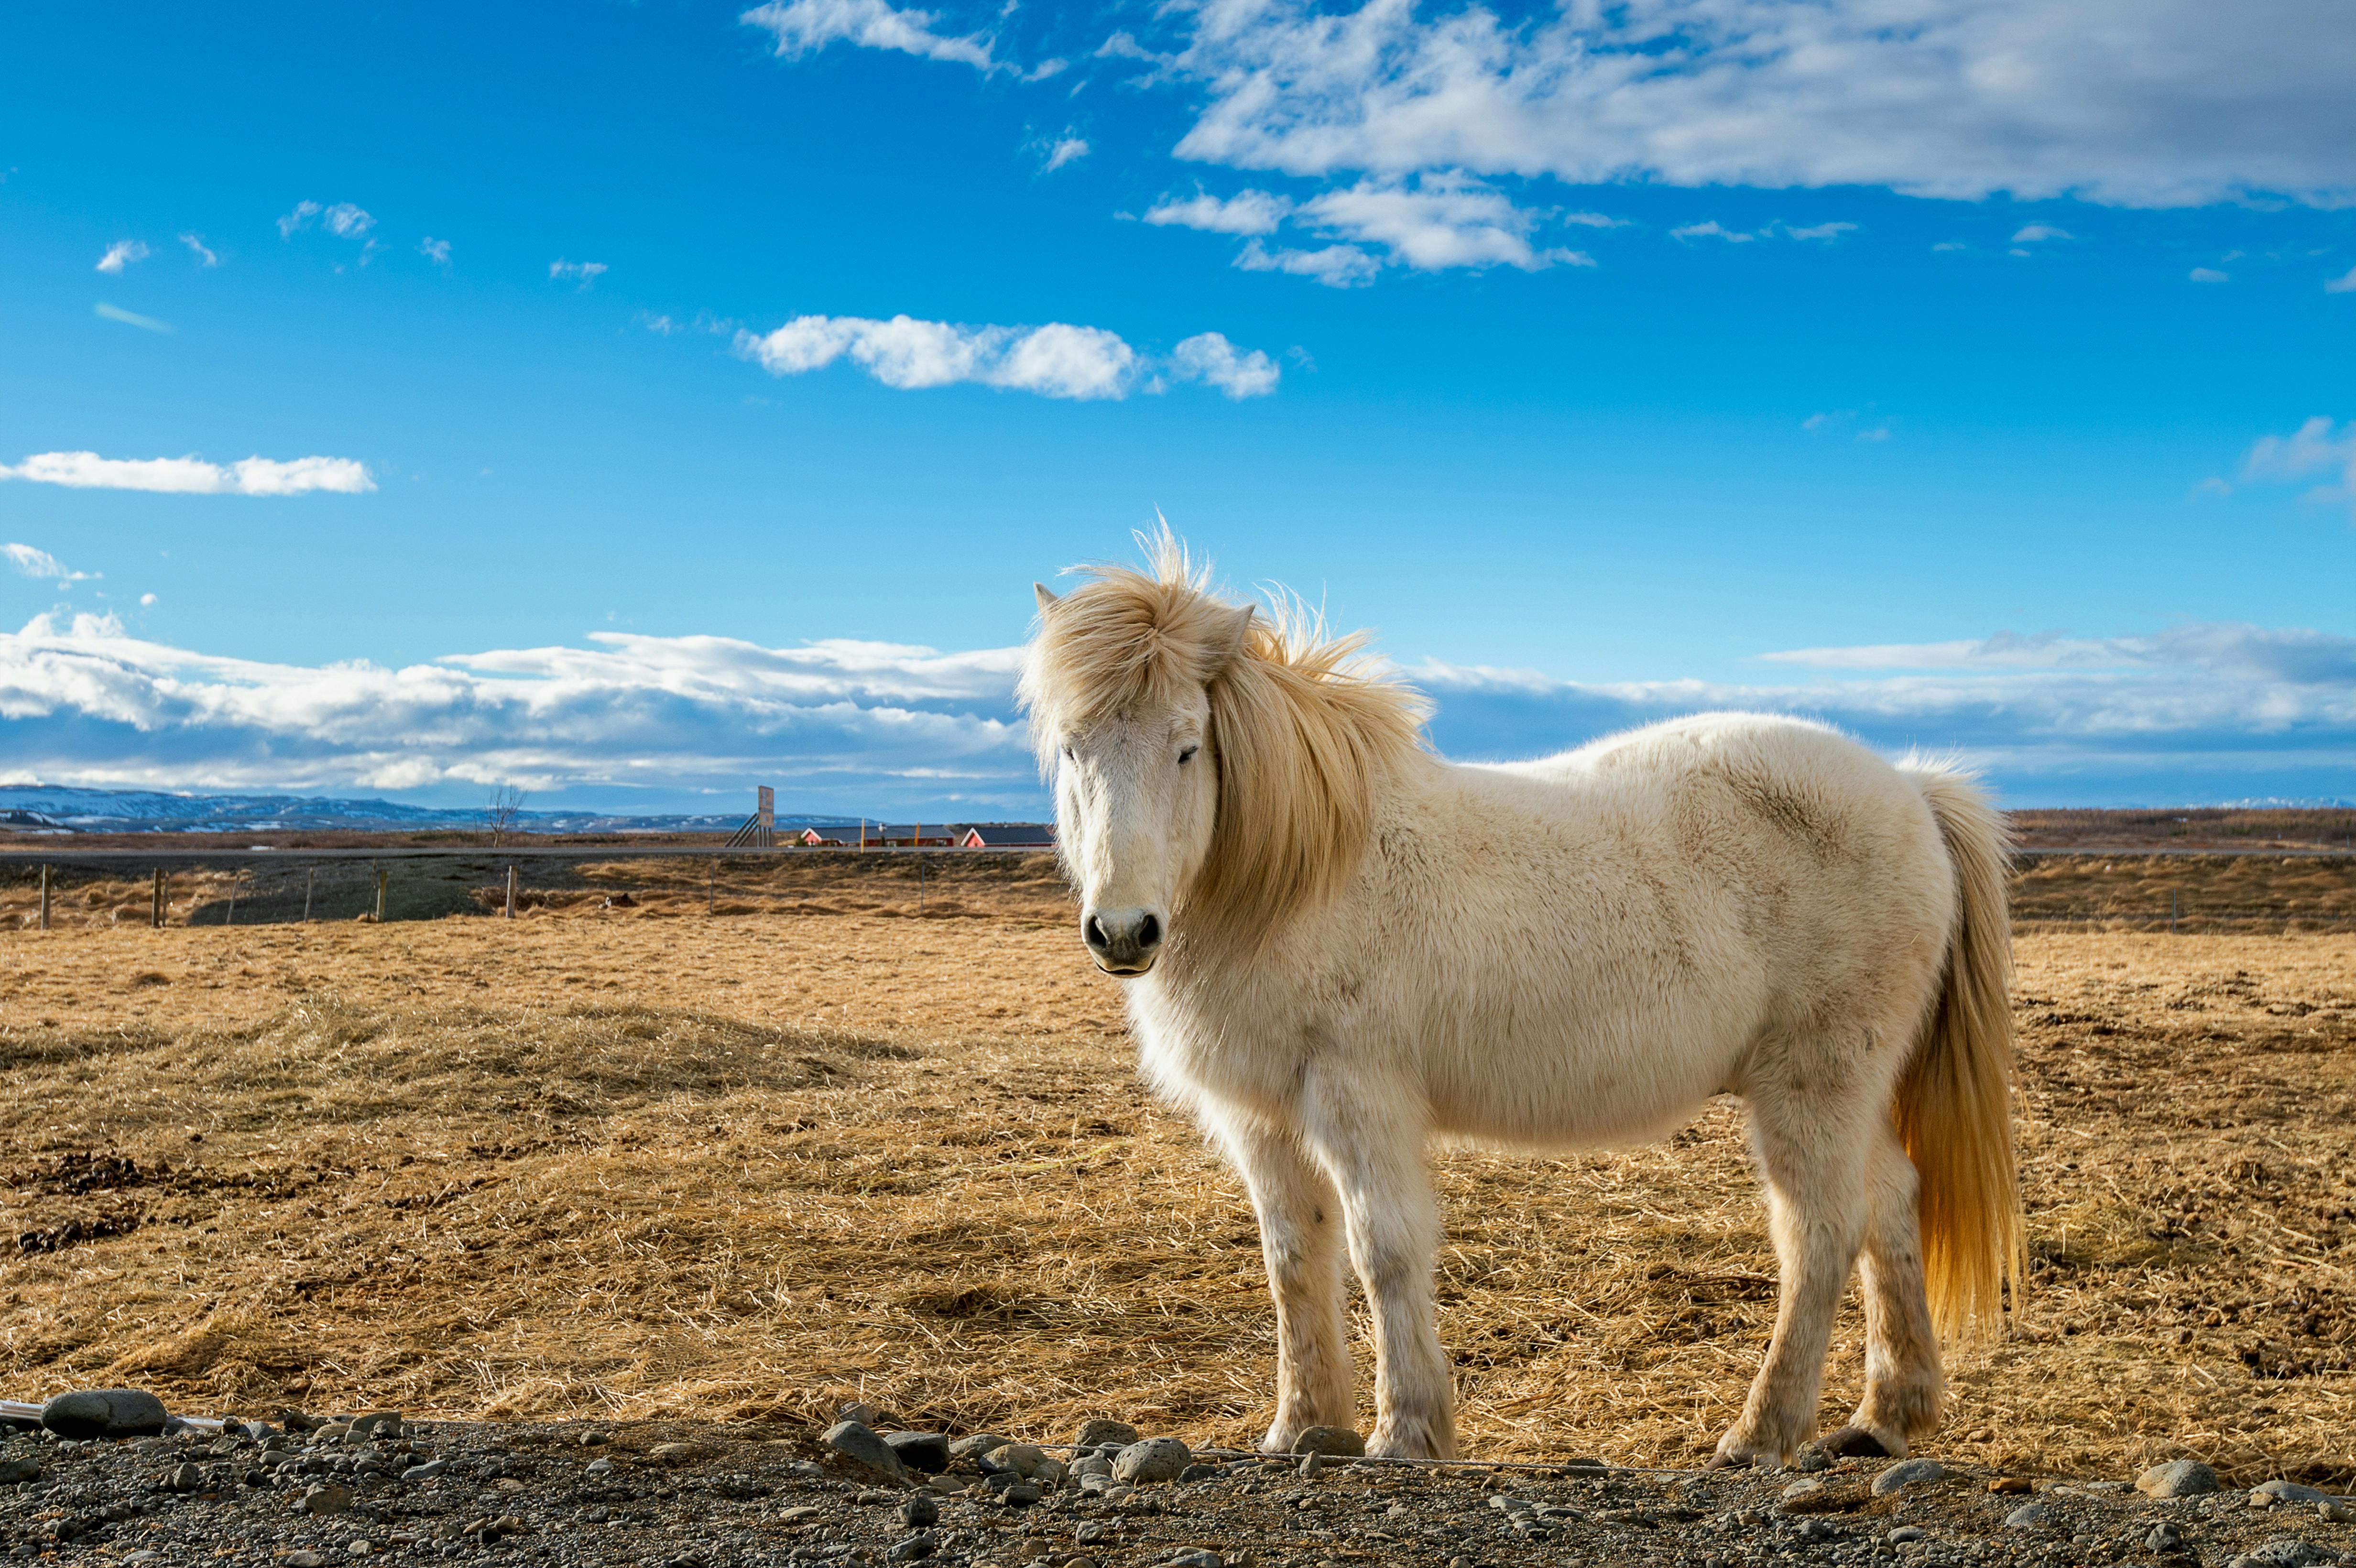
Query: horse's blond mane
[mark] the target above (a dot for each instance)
(1304, 732)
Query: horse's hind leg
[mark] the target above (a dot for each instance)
(1301, 1239)
(1903, 1385)
(1812, 1141)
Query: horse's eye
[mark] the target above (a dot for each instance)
(1188, 754)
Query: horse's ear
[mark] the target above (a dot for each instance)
(1046, 596)
(1229, 643)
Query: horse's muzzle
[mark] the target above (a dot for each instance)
(1124, 942)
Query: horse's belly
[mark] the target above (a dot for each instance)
(1578, 1089)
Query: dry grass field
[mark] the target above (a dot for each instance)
(644, 1160)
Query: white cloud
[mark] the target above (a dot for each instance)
(435, 251)
(192, 475)
(1712, 230)
(1210, 359)
(346, 221)
(1951, 245)
(40, 563)
(83, 703)
(1443, 220)
(121, 254)
(1247, 212)
(197, 248)
(298, 220)
(804, 27)
(1337, 266)
(2130, 102)
(2315, 447)
(2201, 710)
(1067, 149)
(1822, 231)
(2343, 284)
(106, 312)
(146, 601)
(1056, 360)
(587, 272)
(2030, 233)
(2209, 275)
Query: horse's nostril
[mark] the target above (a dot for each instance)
(1149, 932)
(1093, 934)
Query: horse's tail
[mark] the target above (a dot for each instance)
(1954, 1106)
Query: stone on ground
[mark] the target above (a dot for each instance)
(1098, 1433)
(1154, 1459)
(105, 1412)
(2176, 1478)
(1906, 1473)
(925, 1451)
(1337, 1441)
(857, 1440)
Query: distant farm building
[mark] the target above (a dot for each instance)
(1007, 835)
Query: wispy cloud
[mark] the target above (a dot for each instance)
(1247, 212)
(1711, 230)
(2158, 104)
(197, 248)
(435, 251)
(805, 26)
(2315, 447)
(1210, 359)
(106, 312)
(346, 221)
(193, 476)
(1336, 266)
(1826, 231)
(2034, 233)
(40, 563)
(298, 220)
(2208, 275)
(1067, 148)
(586, 271)
(121, 254)
(2343, 284)
(1058, 360)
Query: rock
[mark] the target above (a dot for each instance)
(359, 1546)
(19, 1467)
(2335, 1513)
(1314, 1465)
(1098, 1433)
(857, 1440)
(433, 1467)
(866, 1414)
(593, 1468)
(377, 1424)
(1024, 1459)
(1907, 1473)
(1154, 1459)
(672, 1453)
(2013, 1484)
(105, 1412)
(1089, 1465)
(2177, 1479)
(1338, 1441)
(913, 1550)
(1022, 1494)
(945, 1485)
(2285, 1492)
(2028, 1516)
(1199, 1473)
(304, 1560)
(920, 1513)
(593, 1438)
(2164, 1537)
(1196, 1558)
(1906, 1532)
(977, 1444)
(2282, 1552)
(326, 1499)
(185, 1478)
(1812, 1458)
(925, 1451)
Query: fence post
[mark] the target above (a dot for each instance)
(156, 902)
(509, 911)
(310, 877)
(45, 898)
(379, 895)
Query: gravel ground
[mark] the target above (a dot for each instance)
(674, 1495)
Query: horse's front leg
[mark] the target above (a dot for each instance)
(1377, 1163)
(1299, 1238)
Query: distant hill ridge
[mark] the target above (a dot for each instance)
(57, 809)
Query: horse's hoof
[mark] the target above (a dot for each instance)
(1853, 1443)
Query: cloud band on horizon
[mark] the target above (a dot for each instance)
(193, 476)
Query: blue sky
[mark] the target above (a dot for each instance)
(395, 403)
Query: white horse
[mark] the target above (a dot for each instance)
(1338, 947)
